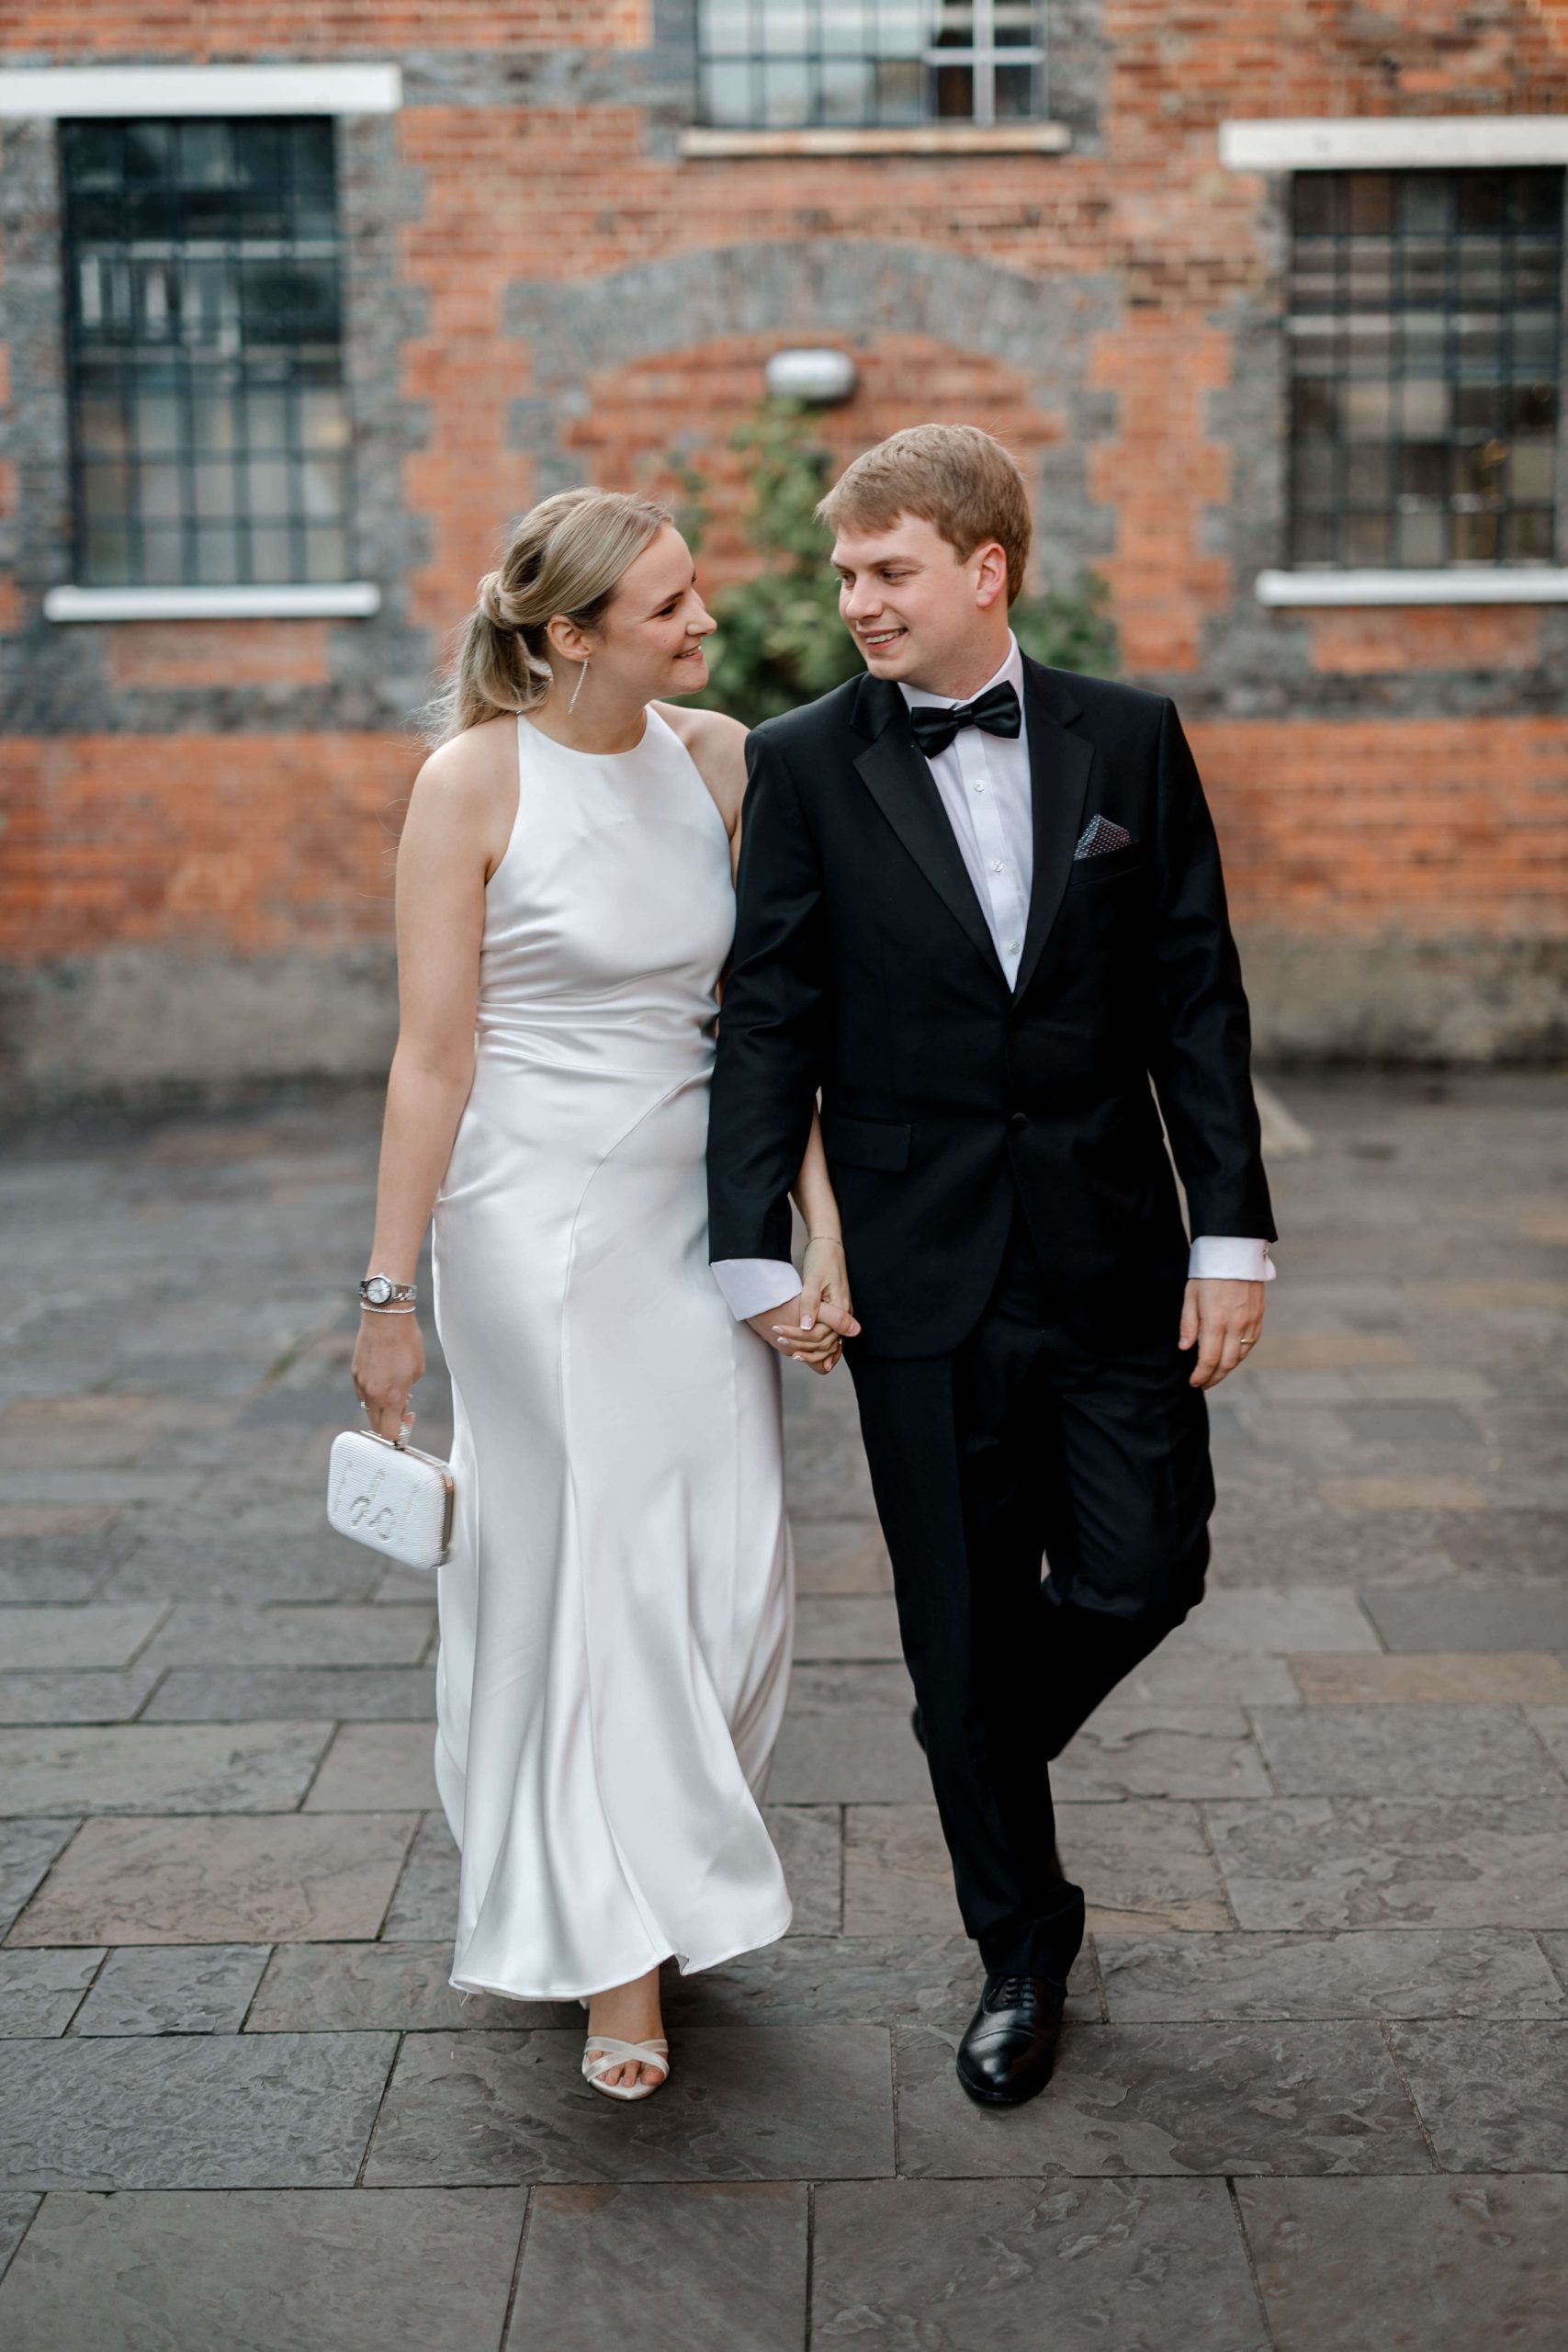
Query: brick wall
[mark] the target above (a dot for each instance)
(541, 290)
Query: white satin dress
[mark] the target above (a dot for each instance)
(615, 1618)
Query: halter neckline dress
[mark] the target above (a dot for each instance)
(616, 1619)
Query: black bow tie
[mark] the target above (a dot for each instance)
(996, 710)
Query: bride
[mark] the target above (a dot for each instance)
(615, 1617)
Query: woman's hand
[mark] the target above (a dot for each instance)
(824, 1282)
(388, 1359)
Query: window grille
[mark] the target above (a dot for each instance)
(1426, 357)
(776, 64)
(209, 433)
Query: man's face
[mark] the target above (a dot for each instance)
(913, 604)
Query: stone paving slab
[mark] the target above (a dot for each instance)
(425, 1900)
(1143, 1863)
(858, 1626)
(1454, 1678)
(376, 1767)
(178, 2111)
(1031, 2265)
(1410, 2266)
(17, 2208)
(704, 2266)
(809, 1841)
(846, 1556)
(27, 1851)
(104, 1635)
(1197, 1677)
(223, 1634)
(276, 1694)
(742, 2103)
(1493, 2095)
(874, 1980)
(1472, 1620)
(240, 1879)
(196, 1768)
(1253, 1618)
(255, 2271)
(1356, 1973)
(66, 1696)
(1369, 1862)
(834, 1755)
(403, 1987)
(1159, 1750)
(1221, 2096)
(41, 1990)
(172, 1988)
(1415, 1751)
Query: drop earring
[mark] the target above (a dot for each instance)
(578, 688)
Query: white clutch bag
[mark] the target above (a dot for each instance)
(391, 1497)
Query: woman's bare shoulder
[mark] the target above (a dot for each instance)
(470, 781)
(717, 745)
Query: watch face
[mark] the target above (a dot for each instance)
(377, 1289)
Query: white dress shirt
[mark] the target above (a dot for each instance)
(982, 782)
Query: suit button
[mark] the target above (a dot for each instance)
(1017, 1122)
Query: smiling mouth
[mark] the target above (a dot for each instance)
(876, 639)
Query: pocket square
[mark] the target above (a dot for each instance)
(1100, 835)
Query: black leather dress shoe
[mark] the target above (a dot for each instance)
(1010, 2046)
(917, 1723)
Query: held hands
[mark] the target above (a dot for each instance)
(812, 1327)
(388, 1359)
(1223, 1319)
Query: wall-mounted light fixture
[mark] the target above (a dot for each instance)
(822, 377)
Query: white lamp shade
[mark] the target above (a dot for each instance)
(821, 376)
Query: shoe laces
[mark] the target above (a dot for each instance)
(1010, 1993)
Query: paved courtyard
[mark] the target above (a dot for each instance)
(1313, 2093)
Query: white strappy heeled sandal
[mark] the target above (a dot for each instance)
(602, 2050)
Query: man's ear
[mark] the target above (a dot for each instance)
(990, 563)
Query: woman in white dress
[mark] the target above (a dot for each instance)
(616, 1614)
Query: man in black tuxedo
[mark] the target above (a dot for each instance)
(980, 907)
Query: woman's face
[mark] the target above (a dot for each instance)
(649, 639)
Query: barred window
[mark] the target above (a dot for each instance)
(1426, 357)
(208, 428)
(770, 64)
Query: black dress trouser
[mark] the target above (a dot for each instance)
(1037, 1439)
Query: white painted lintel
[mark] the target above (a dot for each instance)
(1524, 584)
(152, 90)
(326, 600)
(1393, 143)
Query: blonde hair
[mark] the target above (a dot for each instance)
(955, 477)
(565, 558)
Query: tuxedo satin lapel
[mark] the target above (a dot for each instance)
(1060, 762)
(899, 780)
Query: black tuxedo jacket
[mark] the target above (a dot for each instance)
(863, 966)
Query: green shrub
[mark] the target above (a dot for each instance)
(781, 642)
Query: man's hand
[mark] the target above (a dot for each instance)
(813, 1332)
(1224, 1319)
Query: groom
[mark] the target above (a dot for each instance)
(980, 907)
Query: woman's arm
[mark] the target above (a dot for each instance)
(824, 1278)
(447, 849)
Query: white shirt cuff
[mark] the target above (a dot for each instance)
(1223, 1257)
(751, 1285)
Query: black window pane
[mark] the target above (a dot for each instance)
(209, 433)
(1425, 341)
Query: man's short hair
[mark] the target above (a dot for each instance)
(955, 477)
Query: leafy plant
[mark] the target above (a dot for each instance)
(781, 642)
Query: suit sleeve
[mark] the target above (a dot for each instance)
(1200, 1044)
(769, 1030)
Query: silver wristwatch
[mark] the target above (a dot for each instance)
(380, 1290)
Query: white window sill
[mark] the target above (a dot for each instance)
(915, 139)
(335, 600)
(52, 90)
(1526, 585)
(1390, 142)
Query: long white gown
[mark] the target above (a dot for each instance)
(616, 1615)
